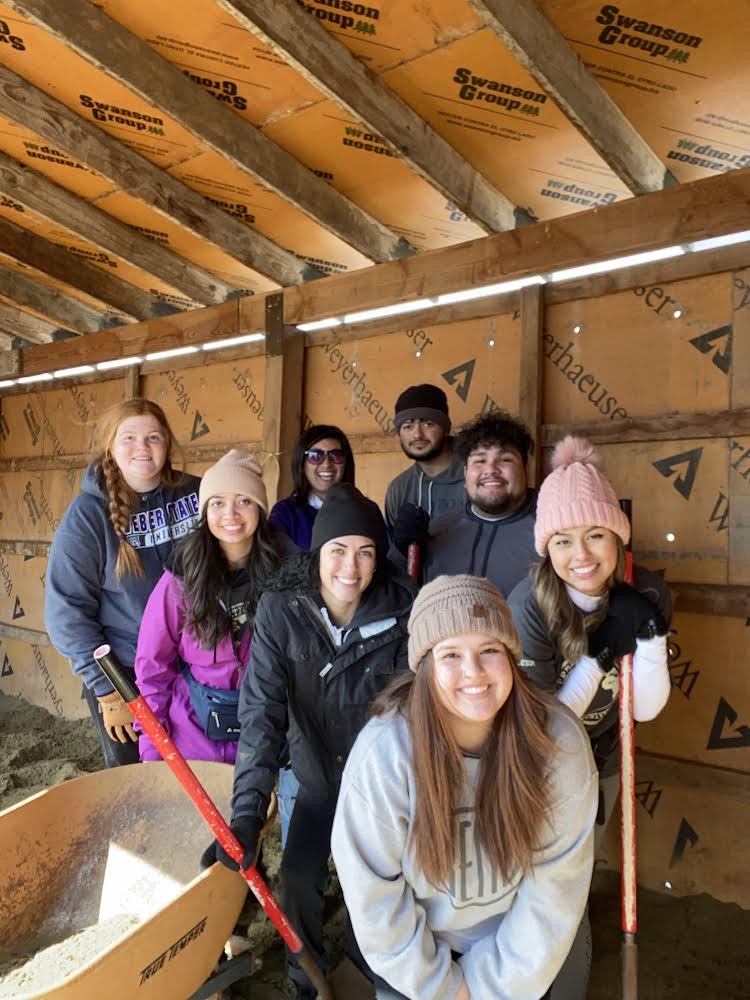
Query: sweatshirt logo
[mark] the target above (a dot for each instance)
(149, 528)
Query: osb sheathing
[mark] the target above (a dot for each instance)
(677, 75)
(637, 353)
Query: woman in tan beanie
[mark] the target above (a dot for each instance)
(463, 832)
(194, 639)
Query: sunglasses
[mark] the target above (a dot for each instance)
(316, 456)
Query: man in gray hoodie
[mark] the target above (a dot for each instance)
(492, 535)
(434, 484)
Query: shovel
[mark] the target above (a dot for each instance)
(172, 757)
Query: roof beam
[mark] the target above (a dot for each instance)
(52, 304)
(542, 50)
(33, 109)
(712, 206)
(107, 233)
(121, 55)
(317, 55)
(57, 262)
(16, 323)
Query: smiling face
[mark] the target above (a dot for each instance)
(422, 440)
(140, 451)
(323, 475)
(473, 678)
(585, 558)
(347, 565)
(232, 519)
(496, 481)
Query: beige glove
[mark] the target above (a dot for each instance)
(117, 718)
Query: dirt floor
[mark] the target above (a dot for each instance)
(692, 948)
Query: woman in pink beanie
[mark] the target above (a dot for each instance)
(577, 617)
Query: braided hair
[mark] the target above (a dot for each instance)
(123, 499)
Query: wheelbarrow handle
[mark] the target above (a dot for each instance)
(172, 757)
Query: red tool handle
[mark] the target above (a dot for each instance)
(414, 561)
(172, 757)
(628, 872)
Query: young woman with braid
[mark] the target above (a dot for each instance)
(109, 552)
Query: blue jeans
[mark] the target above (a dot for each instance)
(287, 795)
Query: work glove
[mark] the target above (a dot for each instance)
(630, 616)
(411, 527)
(247, 830)
(117, 718)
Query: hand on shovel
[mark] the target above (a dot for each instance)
(117, 718)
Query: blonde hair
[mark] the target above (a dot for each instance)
(123, 499)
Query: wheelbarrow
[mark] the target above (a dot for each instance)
(100, 889)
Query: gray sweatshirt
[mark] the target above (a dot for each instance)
(502, 550)
(436, 494)
(512, 937)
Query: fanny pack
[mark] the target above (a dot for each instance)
(216, 708)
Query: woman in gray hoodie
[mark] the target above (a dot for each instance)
(463, 836)
(107, 556)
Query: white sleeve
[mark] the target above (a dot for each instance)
(581, 684)
(389, 924)
(523, 957)
(651, 680)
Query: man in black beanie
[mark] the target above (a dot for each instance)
(434, 484)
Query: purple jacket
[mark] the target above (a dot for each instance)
(297, 521)
(163, 642)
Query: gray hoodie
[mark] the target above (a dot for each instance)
(512, 937)
(85, 604)
(436, 494)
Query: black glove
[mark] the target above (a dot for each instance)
(247, 830)
(630, 616)
(412, 526)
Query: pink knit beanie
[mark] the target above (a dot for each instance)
(576, 494)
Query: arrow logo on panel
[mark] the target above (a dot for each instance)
(200, 427)
(726, 718)
(461, 374)
(687, 460)
(706, 341)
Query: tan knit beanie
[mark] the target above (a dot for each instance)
(236, 472)
(457, 605)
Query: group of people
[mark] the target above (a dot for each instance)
(452, 739)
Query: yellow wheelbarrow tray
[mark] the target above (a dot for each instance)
(113, 857)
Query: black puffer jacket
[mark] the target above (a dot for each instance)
(296, 669)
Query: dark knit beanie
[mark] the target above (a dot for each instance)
(456, 605)
(423, 402)
(346, 512)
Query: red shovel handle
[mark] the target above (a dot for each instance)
(172, 757)
(414, 561)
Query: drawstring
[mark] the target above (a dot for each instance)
(489, 548)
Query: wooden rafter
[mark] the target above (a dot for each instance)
(49, 303)
(542, 50)
(134, 174)
(318, 56)
(713, 206)
(105, 232)
(16, 323)
(124, 57)
(27, 248)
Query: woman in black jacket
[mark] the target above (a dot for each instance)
(326, 642)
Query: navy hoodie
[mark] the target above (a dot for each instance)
(85, 604)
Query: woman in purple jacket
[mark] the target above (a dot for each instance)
(322, 456)
(194, 639)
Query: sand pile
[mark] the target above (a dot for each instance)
(38, 750)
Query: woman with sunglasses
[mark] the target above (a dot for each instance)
(322, 456)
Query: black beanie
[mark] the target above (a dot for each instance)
(423, 402)
(346, 511)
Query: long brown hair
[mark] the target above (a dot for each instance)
(123, 500)
(567, 624)
(512, 797)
